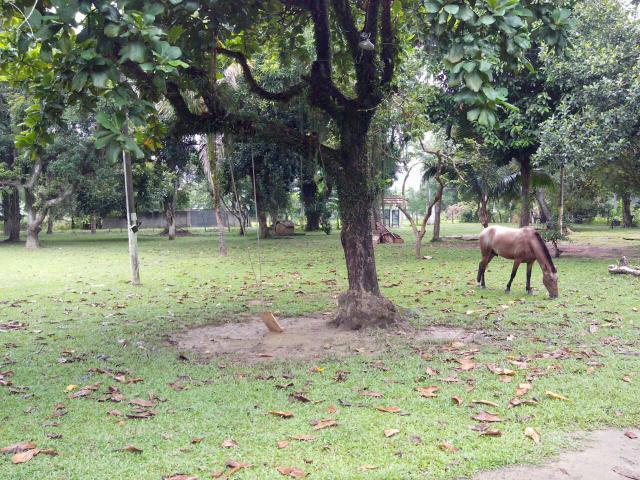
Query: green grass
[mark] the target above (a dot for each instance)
(74, 296)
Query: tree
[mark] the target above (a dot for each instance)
(10, 194)
(353, 46)
(597, 123)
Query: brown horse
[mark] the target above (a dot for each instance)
(520, 245)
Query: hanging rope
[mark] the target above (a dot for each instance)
(267, 317)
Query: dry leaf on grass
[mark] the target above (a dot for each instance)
(555, 396)
(491, 432)
(485, 402)
(180, 476)
(292, 472)
(372, 394)
(523, 388)
(466, 364)
(366, 468)
(328, 422)
(428, 392)
(447, 447)
(281, 414)
(390, 432)
(228, 443)
(303, 438)
(630, 434)
(18, 447)
(457, 400)
(389, 409)
(24, 456)
(533, 434)
(487, 417)
(139, 402)
(282, 443)
(130, 449)
(514, 402)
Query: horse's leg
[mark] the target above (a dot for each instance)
(483, 268)
(529, 268)
(516, 264)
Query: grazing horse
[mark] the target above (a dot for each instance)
(520, 245)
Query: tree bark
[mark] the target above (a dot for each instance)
(263, 226)
(545, 211)
(94, 224)
(310, 200)
(11, 209)
(170, 214)
(362, 305)
(436, 222)
(34, 221)
(50, 223)
(483, 211)
(525, 178)
(627, 217)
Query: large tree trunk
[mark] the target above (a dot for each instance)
(170, 214)
(483, 211)
(50, 223)
(94, 224)
(311, 203)
(418, 247)
(263, 225)
(11, 209)
(525, 178)
(34, 221)
(436, 222)
(362, 305)
(545, 211)
(627, 217)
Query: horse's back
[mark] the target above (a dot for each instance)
(504, 241)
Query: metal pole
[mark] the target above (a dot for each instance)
(132, 218)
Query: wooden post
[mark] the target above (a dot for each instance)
(132, 218)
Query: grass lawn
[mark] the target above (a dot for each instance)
(86, 324)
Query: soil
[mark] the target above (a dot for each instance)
(603, 455)
(307, 338)
(613, 253)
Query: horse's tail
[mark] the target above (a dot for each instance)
(546, 251)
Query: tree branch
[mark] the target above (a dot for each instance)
(282, 96)
(387, 39)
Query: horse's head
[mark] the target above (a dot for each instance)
(550, 280)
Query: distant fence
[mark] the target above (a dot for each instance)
(184, 219)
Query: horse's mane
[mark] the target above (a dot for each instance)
(546, 251)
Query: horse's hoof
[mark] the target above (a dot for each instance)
(507, 290)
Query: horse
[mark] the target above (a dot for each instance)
(520, 245)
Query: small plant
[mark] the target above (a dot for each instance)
(553, 234)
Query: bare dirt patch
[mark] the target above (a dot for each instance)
(590, 251)
(306, 338)
(604, 455)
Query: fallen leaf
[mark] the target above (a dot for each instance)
(115, 413)
(291, 472)
(466, 364)
(555, 396)
(70, 388)
(24, 456)
(331, 409)
(228, 443)
(180, 476)
(501, 371)
(431, 372)
(523, 388)
(139, 402)
(197, 439)
(626, 378)
(299, 396)
(372, 394)
(533, 434)
(390, 432)
(630, 434)
(491, 432)
(18, 447)
(282, 443)
(234, 466)
(365, 468)
(281, 414)
(457, 400)
(428, 392)
(130, 448)
(447, 447)
(389, 409)
(325, 424)
(514, 402)
(485, 402)
(488, 417)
